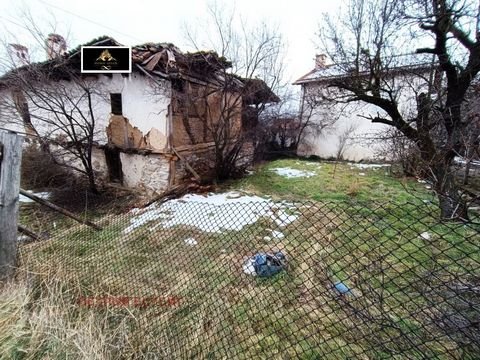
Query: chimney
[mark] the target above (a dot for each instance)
(320, 61)
(56, 46)
(19, 54)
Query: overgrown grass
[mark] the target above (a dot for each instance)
(398, 279)
(333, 181)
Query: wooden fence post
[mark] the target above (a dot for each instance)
(10, 161)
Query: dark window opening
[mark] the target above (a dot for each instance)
(112, 157)
(116, 101)
(178, 85)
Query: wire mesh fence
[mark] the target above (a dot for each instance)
(202, 278)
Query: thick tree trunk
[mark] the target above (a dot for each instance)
(452, 205)
(466, 173)
(91, 182)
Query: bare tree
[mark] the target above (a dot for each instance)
(59, 113)
(243, 87)
(54, 103)
(471, 134)
(397, 148)
(345, 139)
(367, 41)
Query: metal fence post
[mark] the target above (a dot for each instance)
(10, 161)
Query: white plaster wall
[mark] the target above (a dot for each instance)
(327, 144)
(99, 163)
(9, 118)
(144, 103)
(359, 148)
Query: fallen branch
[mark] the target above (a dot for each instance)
(26, 231)
(166, 195)
(187, 165)
(58, 209)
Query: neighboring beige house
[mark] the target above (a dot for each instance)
(352, 135)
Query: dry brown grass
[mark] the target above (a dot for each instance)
(353, 188)
(38, 319)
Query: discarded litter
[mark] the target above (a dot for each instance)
(264, 264)
(342, 288)
(425, 235)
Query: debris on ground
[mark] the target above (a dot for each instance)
(342, 288)
(425, 235)
(265, 264)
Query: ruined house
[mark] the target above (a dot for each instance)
(152, 126)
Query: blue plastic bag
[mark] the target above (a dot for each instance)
(268, 264)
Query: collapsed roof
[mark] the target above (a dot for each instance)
(163, 60)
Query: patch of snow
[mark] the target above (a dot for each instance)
(213, 213)
(425, 235)
(43, 195)
(463, 161)
(283, 219)
(428, 187)
(191, 241)
(292, 173)
(277, 234)
(22, 238)
(248, 267)
(368, 166)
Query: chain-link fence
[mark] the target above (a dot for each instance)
(202, 278)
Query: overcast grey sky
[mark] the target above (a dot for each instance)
(162, 21)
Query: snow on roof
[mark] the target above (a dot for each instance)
(394, 64)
